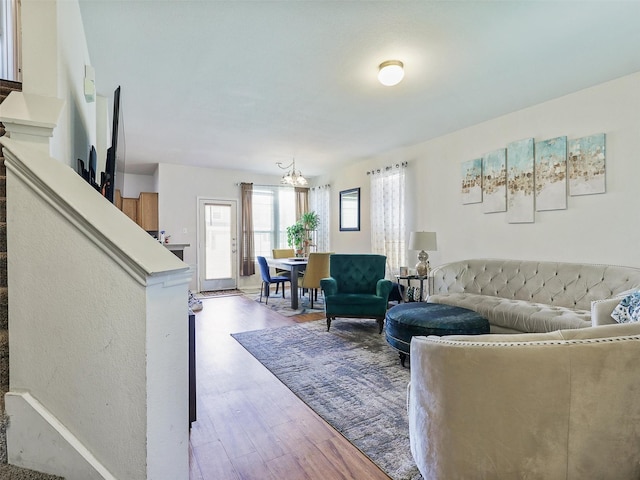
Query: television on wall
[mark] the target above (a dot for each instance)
(113, 176)
(109, 176)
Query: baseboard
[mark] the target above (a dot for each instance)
(38, 441)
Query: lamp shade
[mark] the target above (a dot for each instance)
(423, 241)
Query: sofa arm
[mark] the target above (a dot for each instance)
(329, 286)
(495, 406)
(601, 311)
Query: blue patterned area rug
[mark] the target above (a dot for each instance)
(283, 305)
(351, 378)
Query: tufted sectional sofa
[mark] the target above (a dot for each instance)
(520, 296)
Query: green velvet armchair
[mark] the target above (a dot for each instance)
(356, 287)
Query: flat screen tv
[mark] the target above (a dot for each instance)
(108, 177)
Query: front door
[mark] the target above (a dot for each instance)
(217, 258)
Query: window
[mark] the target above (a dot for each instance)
(387, 216)
(9, 40)
(274, 209)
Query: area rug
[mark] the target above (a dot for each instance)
(283, 305)
(219, 293)
(351, 378)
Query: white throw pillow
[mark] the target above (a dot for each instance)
(628, 310)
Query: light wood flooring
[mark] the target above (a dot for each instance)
(250, 426)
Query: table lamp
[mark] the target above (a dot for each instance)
(423, 241)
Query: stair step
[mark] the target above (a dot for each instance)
(3, 269)
(4, 361)
(4, 308)
(7, 86)
(11, 472)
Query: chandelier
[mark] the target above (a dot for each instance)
(293, 176)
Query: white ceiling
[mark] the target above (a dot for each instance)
(246, 84)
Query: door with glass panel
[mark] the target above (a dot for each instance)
(217, 241)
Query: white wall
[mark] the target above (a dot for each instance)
(594, 228)
(54, 53)
(134, 184)
(179, 188)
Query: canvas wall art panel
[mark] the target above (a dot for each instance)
(494, 181)
(587, 165)
(520, 193)
(472, 181)
(551, 174)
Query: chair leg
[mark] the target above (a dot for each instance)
(267, 287)
(277, 285)
(282, 290)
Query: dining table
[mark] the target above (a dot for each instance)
(295, 266)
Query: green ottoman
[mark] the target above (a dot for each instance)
(420, 318)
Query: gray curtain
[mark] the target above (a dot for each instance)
(302, 201)
(247, 250)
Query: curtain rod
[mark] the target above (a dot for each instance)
(265, 185)
(387, 168)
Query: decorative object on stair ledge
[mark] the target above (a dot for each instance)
(293, 177)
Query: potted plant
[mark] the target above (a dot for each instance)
(296, 235)
(310, 220)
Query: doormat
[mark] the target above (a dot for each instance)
(220, 293)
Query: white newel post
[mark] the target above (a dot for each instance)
(98, 322)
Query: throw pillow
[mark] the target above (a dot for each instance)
(628, 310)
(413, 294)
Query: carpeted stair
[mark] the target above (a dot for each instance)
(7, 472)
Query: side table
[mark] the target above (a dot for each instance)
(408, 278)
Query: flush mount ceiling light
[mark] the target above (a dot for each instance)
(391, 73)
(293, 176)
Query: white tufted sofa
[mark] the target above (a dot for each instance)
(521, 296)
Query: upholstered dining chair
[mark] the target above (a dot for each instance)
(267, 279)
(282, 253)
(356, 287)
(317, 269)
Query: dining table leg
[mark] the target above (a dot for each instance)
(294, 287)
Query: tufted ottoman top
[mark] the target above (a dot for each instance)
(420, 318)
(434, 317)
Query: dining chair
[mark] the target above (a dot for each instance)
(267, 279)
(282, 253)
(317, 269)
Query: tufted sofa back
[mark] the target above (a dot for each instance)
(357, 273)
(571, 285)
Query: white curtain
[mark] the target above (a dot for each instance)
(319, 202)
(387, 215)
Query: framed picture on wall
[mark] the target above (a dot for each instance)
(350, 210)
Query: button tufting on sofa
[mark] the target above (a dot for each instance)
(517, 296)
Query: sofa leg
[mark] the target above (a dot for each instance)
(328, 323)
(381, 325)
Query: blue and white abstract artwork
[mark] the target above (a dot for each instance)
(551, 174)
(587, 165)
(494, 181)
(520, 193)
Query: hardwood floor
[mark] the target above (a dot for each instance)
(250, 426)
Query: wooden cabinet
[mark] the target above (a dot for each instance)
(142, 210)
(148, 211)
(130, 208)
